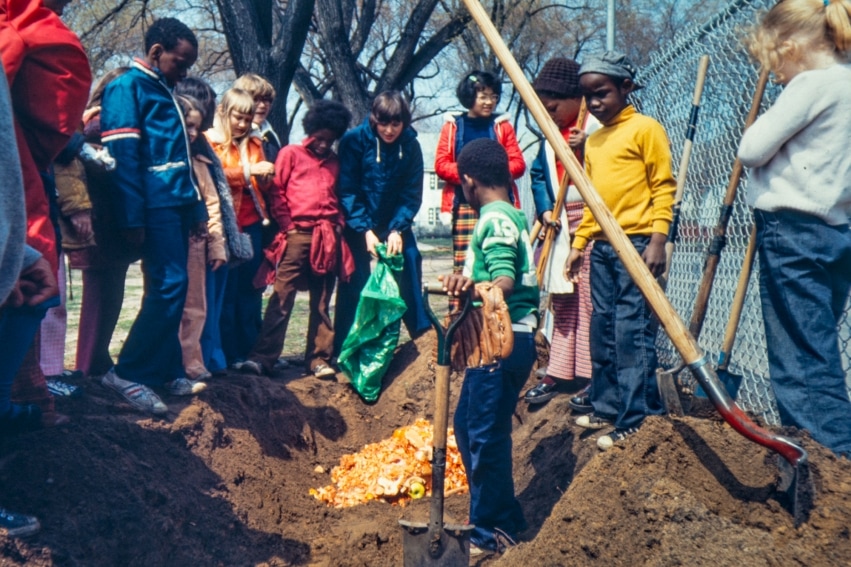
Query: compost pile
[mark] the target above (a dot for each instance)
(394, 470)
(226, 478)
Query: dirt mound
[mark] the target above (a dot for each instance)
(225, 481)
(692, 492)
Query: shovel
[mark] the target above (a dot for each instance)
(733, 381)
(436, 543)
(800, 486)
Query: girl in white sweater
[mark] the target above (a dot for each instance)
(800, 189)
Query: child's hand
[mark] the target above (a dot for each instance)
(573, 265)
(394, 243)
(216, 264)
(371, 241)
(548, 223)
(262, 169)
(576, 139)
(82, 223)
(455, 284)
(654, 254)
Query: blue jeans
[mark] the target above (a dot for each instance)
(623, 334)
(18, 326)
(410, 282)
(804, 280)
(211, 336)
(483, 433)
(242, 310)
(151, 355)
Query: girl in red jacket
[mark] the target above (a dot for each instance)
(479, 92)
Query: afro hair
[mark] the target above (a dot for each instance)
(485, 161)
(327, 114)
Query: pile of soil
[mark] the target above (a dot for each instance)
(224, 480)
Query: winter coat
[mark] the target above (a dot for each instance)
(446, 166)
(380, 185)
(215, 233)
(143, 128)
(248, 210)
(49, 80)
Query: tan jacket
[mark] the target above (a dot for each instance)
(72, 197)
(216, 237)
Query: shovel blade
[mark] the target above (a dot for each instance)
(731, 382)
(424, 549)
(668, 391)
(797, 485)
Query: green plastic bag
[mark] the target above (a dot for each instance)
(368, 350)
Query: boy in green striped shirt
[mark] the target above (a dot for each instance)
(499, 252)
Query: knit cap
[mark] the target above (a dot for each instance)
(611, 63)
(559, 76)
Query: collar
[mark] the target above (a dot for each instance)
(622, 116)
(152, 72)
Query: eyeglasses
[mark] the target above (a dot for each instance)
(483, 97)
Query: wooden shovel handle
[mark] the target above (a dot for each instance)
(738, 303)
(702, 68)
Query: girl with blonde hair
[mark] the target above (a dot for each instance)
(801, 197)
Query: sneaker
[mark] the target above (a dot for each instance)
(281, 364)
(251, 367)
(62, 389)
(476, 551)
(185, 387)
(137, 395)
(606, 442)
(503, 540)
(593, 422)
(17, 525)
(543, 392)
(322, 370)
(237, 366)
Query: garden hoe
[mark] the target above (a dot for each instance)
(685, 343)
(438, 544)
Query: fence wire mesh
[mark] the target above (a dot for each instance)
(727, 96)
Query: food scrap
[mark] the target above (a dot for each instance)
(394, 470)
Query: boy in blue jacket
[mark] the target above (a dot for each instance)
(381, 190)
(159, 205)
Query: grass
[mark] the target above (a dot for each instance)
(438, 261)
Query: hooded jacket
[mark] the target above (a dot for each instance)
(445, 158)
(380, 184)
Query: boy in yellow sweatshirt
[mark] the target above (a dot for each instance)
(629, 163)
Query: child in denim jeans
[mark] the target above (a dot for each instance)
(629, 162)
(499, 252)
(801, 195)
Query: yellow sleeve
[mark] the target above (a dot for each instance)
(660, 179)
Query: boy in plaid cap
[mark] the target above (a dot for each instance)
(629, 162)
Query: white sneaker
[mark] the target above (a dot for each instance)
(591, 421)
(185, 387)
(606, 442)
(137, 395)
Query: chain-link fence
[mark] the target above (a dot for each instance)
(727, 96)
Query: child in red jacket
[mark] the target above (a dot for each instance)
(306, 207)
(479, 92)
